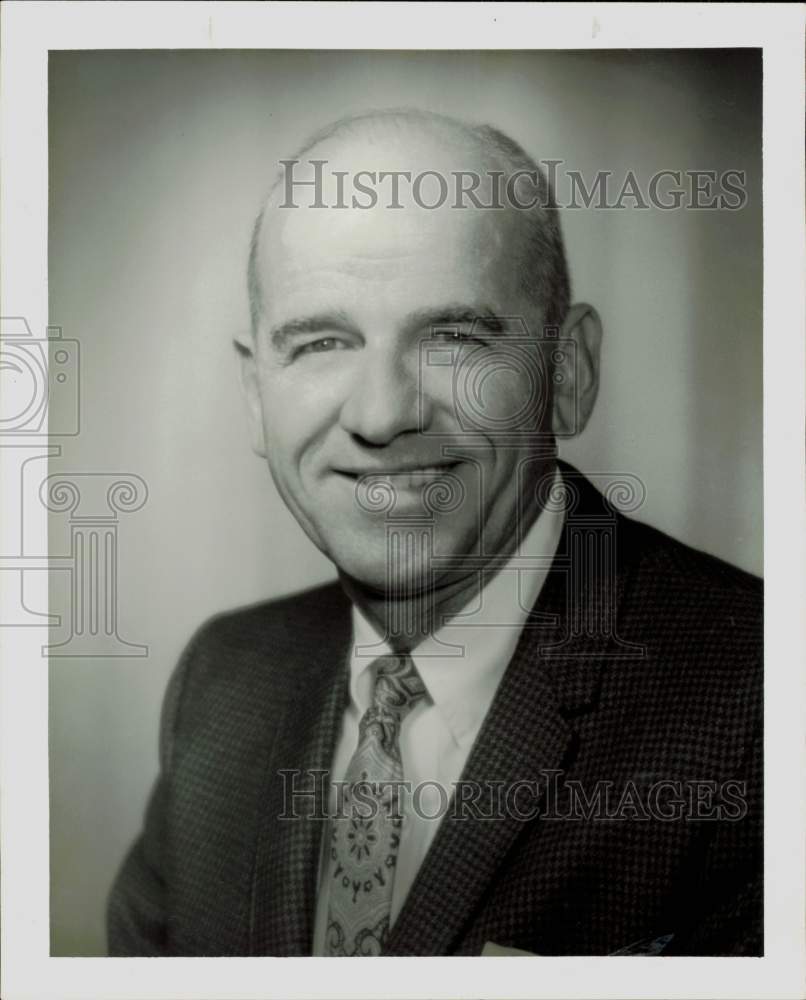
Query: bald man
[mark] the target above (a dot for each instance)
(520, 719)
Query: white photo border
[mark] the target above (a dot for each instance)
(29, 30)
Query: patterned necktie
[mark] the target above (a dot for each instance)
(365, 833)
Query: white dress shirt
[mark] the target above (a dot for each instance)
(438, 733)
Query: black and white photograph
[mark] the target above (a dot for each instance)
(399, 427)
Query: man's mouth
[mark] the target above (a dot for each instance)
(407, 476)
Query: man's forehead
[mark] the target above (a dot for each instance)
(381, 232)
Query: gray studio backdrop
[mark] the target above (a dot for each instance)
(158, 162)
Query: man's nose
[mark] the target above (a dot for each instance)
(384, 400)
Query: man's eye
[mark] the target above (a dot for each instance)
(457, 336)
(320, 346)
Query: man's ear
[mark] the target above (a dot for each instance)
(244, 344)
(576, 370)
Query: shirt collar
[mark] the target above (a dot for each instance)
(462, 662)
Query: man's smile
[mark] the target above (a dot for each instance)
(408, 476)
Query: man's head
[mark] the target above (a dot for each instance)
(399, 348)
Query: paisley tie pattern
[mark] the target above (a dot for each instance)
(365, 834)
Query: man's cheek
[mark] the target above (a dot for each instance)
(512, 394)
(310, 400)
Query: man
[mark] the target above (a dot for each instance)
(520, 719)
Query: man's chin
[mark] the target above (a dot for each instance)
(393, 567)
(381, 573)
(382, 582)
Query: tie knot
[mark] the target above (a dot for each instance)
(398, 685)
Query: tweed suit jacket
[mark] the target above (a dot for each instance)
(638, 674)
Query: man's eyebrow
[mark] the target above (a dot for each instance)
(459, 314)
(316, 323)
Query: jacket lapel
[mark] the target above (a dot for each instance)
(551, 679)
(287, 857)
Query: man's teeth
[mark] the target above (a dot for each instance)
(411, 477)
(415, 477)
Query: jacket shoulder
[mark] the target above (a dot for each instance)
(668, 569)
(660, 569)
(274, 621)
(242, 662)
(700, 620)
